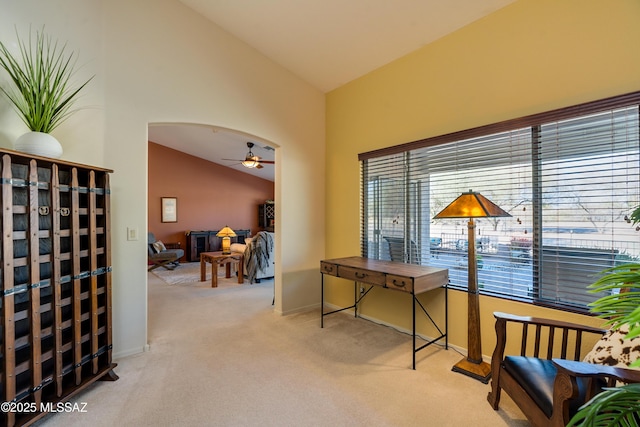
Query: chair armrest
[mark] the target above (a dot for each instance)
(592, 370)
(173, 245)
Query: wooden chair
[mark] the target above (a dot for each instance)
(548, 390)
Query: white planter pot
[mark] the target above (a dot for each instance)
(39, 144)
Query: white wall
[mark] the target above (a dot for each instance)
(157, 61)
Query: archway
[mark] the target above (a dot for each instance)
(211, 192)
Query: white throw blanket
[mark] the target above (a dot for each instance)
(257, 254)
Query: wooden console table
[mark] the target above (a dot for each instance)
(410, 278)
(218, 258)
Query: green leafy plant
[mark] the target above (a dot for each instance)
(41, 74)
(619, 307)
(618, 406)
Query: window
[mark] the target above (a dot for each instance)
(567, 177)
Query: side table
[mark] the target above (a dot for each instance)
(218, 258)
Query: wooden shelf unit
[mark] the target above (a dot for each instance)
(267, 216)
(55, 311)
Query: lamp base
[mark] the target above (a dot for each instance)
(480, 371)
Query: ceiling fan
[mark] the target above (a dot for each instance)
(251, 160)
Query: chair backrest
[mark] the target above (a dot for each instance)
(151, 239)
(396, 248)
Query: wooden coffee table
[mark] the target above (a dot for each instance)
(218, 258)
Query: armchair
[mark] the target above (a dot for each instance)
(547, 380)
(160, 254)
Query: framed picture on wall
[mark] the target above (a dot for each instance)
(169, 209)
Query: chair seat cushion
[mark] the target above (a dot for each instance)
(536, 376)
(170, 254)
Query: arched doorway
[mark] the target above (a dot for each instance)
(200, 166)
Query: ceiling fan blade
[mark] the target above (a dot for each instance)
(234, 160)
(259, 166)
(269, 162)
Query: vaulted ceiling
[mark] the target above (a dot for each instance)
(326, 43)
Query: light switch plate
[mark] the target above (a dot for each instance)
(132, 233)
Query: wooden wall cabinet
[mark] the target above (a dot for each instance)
(207, 241)
(55, 276)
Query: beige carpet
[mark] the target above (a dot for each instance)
(221, 357)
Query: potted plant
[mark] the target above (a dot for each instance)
(41, 89)
(618, 406)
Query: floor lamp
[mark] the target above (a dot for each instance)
(472, 205)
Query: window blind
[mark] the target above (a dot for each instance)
(588, 179)
(567, 184)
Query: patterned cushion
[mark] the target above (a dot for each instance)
(159, 246)
(614, 350)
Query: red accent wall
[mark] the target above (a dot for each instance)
(209, 195)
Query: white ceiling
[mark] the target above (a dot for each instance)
(326, 43)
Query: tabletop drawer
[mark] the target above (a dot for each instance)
(360, 275)
(328, 268)
(399, 283)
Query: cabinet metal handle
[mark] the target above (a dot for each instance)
(400, 285)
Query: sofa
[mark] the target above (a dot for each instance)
(258, 256)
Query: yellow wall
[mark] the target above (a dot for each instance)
(530, 57)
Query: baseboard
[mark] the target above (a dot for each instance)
(131, 352)
(304, 309)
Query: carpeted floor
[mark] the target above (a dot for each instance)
(222, 357)
(188, 273)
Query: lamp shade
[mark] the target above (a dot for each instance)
(471, 205)
(226, 232)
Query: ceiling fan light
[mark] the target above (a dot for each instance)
(251, 162)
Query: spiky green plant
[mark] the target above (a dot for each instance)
(619, 406)
(41, 74)
(635, 216)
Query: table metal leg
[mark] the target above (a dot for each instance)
(446, 316)
(355, 299)
(413, 303)
(322, 300)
